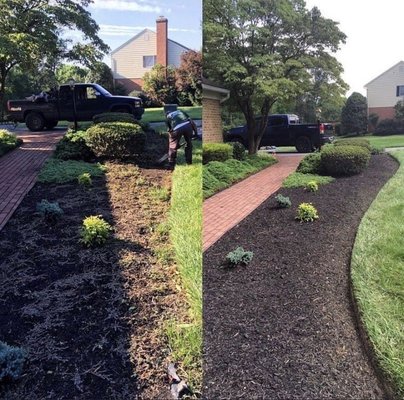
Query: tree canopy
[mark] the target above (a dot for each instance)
(189, 75)
(268, 51)
(31, 35)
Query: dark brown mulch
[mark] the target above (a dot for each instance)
(283, 326)
(90, 319)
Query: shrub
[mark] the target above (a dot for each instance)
(361, 142)
(73, 146)
(389, 127)
(306, 212)
(239, 256)
(344, 160)
(8, 141)
(51, 212)
(312, 186)
(216, 152)
(84, 179)
(238, 151)
(283, 201)
(95, 231)
(114, 117)
(311, 164)
(116, 140)
(11, 361)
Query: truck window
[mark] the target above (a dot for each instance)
(273, 121)
(92, 93)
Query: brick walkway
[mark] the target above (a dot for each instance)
(226, 209)
(19, 169)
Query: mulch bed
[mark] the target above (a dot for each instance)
(90, 319)
(283, 327)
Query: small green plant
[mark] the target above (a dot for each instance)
(311, 186)
(283, 201)
(239, 256)
(85, 179)
(306, 212)
(238, 151)
(51, 212)
(11, 361)
(95, 231)
(8, 141)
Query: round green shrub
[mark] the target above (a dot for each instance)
(306, 212)
(216, 152)
(311, 186)
(73, 146)
(362, 142)
(238, 151)
(95, 231)
(311, 164)
(119, 117)
(344, 160)
(116, 140)
(8, 141)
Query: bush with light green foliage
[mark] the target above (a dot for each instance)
(120, 117)
(8, 141)
(311, 186)
(306, 212)
(216, 152)
(345, 160)
(11, 361)
(95, 231)
(239, 256)
(116, 140)
(361, 142)
(85, 179)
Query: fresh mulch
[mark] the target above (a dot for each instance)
(283, 327)
(90, 319)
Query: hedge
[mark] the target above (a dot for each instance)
(216, 152)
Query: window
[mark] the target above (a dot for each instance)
(149, 61)
(92, 93)
(400, 91)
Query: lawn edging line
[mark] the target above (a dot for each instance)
(389, 386)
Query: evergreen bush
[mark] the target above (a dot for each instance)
(11, 361)
(216, 152)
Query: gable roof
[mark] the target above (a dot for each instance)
(140, 34)
(385, 72)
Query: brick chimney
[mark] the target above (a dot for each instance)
(162, 44)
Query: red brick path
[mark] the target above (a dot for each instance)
(226, 209)
(19, 169)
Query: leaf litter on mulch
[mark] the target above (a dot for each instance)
(90, 319)
(283, 326)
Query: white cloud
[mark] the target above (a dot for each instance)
(121, 30)
(126, 5)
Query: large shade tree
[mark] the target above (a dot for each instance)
(31, 35)
(264, 51)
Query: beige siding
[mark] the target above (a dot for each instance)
(128, 60)
(174, 53)
(381, 92)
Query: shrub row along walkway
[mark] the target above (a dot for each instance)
(226, 209)
(19, 169)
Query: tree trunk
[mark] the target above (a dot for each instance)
(3, 74)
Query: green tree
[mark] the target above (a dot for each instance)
(100, 73)
(263, 52)
(189, 75)
(65, 72)
(159, 84)
(31, 36)
(354, 115)
(399, 110)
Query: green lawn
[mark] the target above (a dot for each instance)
(381, 142)
(378, 274)
(185, 335)
(157, 114)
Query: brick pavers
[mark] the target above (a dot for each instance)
(19, 169)
(226, 209)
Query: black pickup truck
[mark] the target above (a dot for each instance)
(285, 130)
(47, 109)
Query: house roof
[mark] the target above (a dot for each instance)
(385, 72)
(140, 34)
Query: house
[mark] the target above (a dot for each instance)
(130, 61)
(212, 97)
(385, 91)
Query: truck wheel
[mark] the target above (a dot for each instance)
(51, 124)
(303, 145)
(35, 121)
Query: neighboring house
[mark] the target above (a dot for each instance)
(137, 56)
(212, 97)
(385, 91)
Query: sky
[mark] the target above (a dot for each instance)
(374, 32)
(120, 20)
